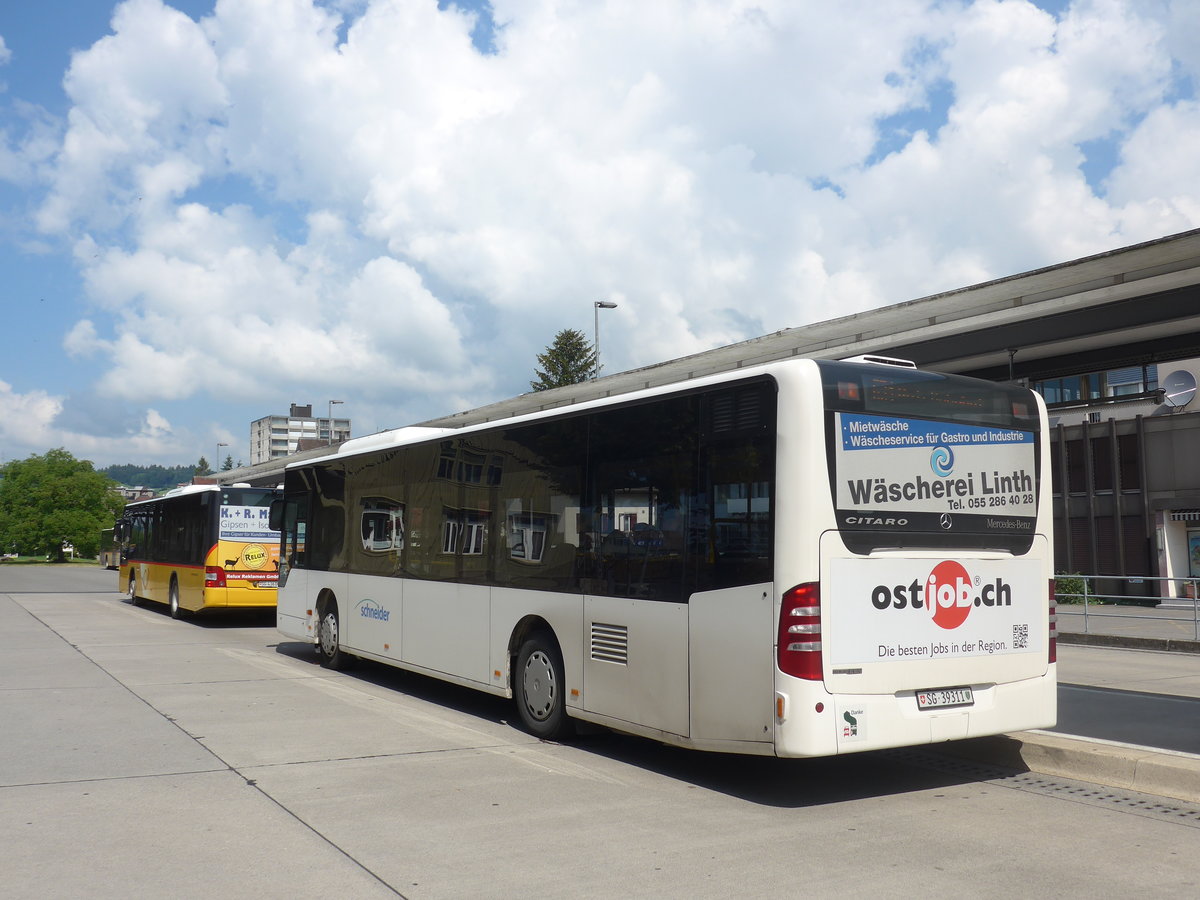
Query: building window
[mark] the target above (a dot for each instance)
(464, 532)
(1076, 483)
(527, 537)
(470, 467)
(1131, 471)
(1096, 385)
(446, 460)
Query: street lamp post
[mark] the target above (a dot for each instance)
(217, 461)
(599, 305)
(331, 405)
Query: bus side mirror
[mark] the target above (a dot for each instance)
(275, 519)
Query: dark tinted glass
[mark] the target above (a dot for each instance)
(654, 500)
(922, 422)
(894, 391)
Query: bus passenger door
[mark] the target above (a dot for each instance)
(290, 517)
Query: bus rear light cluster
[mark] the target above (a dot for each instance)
(799, 640)
(1053, 642)
(214, 577)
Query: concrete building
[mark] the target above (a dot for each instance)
(1112, 341)
(275, 437)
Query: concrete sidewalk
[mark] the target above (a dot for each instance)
(97, 784)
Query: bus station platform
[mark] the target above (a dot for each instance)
(1131, 659)
(1171, 626)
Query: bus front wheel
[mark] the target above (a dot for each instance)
(328, 649)
(539, 689)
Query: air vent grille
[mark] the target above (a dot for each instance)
(610, 643)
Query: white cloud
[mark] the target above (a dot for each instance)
(1000, 182)
(415, 219)
(1159, 158)
(140, 96)
(1182, 23)
(25, 416)
(30, 424)
(28, 144)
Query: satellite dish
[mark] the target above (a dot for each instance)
(1179, 388)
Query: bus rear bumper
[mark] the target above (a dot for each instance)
(850, 723)
(239, 598)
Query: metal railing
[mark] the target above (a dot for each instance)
(1151, 595)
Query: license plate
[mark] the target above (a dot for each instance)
(944, 697)
(267, 584)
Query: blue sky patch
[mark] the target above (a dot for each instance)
(483, 36)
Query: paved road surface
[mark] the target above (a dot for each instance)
(146, 756)
(1154, 720)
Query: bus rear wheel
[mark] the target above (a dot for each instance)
(131, 590)
(540, 689)
(328, 634)
(173, 599)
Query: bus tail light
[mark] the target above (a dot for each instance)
(799, 647)
(214, 577)
(1053, 642)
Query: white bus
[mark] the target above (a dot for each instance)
(800, 559)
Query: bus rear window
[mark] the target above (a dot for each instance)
(884, 390)
(922, 460)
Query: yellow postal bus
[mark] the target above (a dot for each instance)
(203, 546)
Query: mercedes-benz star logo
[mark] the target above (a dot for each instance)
(947, 520)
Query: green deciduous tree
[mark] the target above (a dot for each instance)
(569, 360)
(51, 499)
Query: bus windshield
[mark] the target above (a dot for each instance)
(922, 460)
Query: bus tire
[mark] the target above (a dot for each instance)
(173, 599)
(131, 590)
(539, 688)
(328, 634)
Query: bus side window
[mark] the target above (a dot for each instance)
(326, 513)
(638, 495)
(731, 523)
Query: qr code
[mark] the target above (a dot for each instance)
(1020, 637)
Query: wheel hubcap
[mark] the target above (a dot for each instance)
(539, 687)
(329, 634)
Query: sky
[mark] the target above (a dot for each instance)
(212, 210)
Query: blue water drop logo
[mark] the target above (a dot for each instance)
(942, 461)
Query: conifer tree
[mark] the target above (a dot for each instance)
(570, 359)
